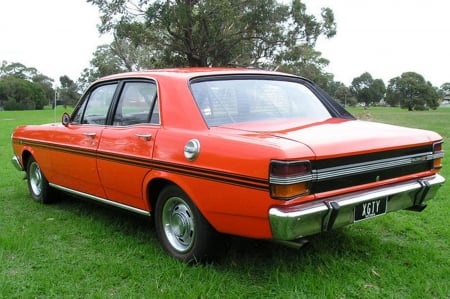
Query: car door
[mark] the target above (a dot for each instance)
(126, 146)
(75, 163)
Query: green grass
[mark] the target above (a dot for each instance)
(76, 249)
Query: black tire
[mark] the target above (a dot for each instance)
(182, 230)
(37, 183)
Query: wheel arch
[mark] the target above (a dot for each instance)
(157, 180)
(154, 188)
(156, 185)
(26, 154)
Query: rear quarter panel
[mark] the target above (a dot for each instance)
(229, 180)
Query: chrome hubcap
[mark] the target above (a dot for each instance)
(35, 179)
(178, 223)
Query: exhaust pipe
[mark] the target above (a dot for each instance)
(295, 244)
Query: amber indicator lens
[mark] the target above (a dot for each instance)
(288, 191)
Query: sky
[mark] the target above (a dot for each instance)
(383, 37)
(57, 37)
(387, 38)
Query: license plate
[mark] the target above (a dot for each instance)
(370, 209)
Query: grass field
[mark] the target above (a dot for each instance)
(76, 249)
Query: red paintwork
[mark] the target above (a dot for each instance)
(73, 160)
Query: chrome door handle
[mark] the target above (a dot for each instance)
(90, 134)
(145, 137)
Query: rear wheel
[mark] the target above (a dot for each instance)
(37, 183)
(182, 230)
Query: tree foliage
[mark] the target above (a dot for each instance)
(20, 94)
(68, 92)
(368, 90)
(103, 63)
(23, 88)
(411, 91)
(258, 33)
(20, 71)
(344, 94)
(45, 83)
(17, 70)
(444, 90)
(307, 62)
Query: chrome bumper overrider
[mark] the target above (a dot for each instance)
(15, 161)
(290, 223)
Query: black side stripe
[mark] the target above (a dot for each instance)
(192, 171)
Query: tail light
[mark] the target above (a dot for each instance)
(438, 154)
(289, 179)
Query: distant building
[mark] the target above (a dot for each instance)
(446, 101)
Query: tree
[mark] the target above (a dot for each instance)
(20, 94)
(344, 95)
(45, 83)
(68, 91)
(367, 90)
(444, 90)
(307, 62)
(410, 90)
(104, 63)
(14, 69)
(258, 33)
(378, 90)
(20, 71)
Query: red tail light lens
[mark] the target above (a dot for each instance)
(289, 169)
(438, 154)
(289, 179)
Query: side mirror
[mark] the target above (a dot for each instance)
(65, 119)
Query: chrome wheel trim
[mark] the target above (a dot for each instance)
(178, 224)
(35, 179)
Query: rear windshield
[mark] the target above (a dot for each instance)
(248, 100)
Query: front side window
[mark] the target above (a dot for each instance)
(94, 109)
(228, 101)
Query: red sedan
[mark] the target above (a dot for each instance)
(208, 152)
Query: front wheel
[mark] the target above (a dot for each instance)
(37, 183)
(181, 228)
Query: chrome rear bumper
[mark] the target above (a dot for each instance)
(294, 222)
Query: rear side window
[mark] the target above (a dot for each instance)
(136, 104)
(248, 100)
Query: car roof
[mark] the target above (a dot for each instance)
(191, 72)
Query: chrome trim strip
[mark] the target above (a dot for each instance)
(294, 222)
(438, 155)
(102, 200)
(359, 168)
(292, 180)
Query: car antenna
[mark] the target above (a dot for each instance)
(54, 104)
